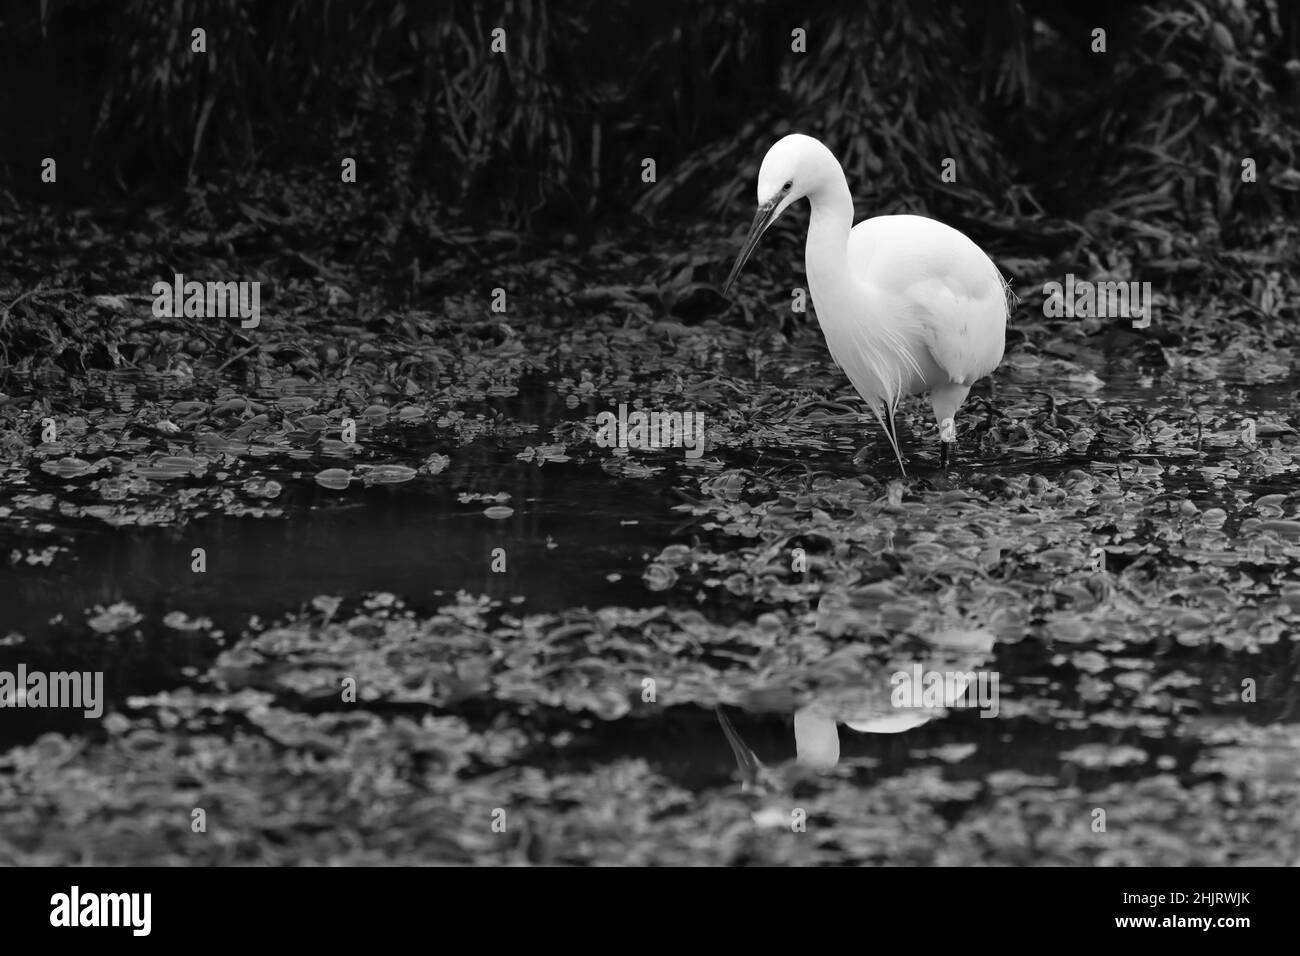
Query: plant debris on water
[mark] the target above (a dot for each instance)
(1129, 553)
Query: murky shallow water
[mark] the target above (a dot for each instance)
(1086, 704)
(574, 539)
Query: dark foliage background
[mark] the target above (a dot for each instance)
(1144, 139)
(1124, 163)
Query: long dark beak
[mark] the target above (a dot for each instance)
(762, 219)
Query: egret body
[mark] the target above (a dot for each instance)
(907, 304)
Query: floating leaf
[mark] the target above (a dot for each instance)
(114, 618)
(67, 467)
(334, 478)
(435, 464)
(389, 475)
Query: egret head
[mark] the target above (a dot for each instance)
(796, 166)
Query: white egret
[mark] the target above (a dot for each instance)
(907, 304)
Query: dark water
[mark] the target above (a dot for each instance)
(570, 530)
(577, 537)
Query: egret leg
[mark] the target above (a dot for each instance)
(887, 423)
(891, 427)
(894, 440)
(946, 400)
(747, 761)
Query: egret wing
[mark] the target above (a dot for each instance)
(945, 293)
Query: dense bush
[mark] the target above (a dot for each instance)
(554, 131)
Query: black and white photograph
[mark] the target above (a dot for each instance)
(577, 433)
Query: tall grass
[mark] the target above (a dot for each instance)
(555, 129)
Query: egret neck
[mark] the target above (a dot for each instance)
(843, 299)
(826, 256)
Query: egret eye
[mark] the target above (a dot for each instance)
(788, 184)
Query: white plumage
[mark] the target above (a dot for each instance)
(907, 304)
